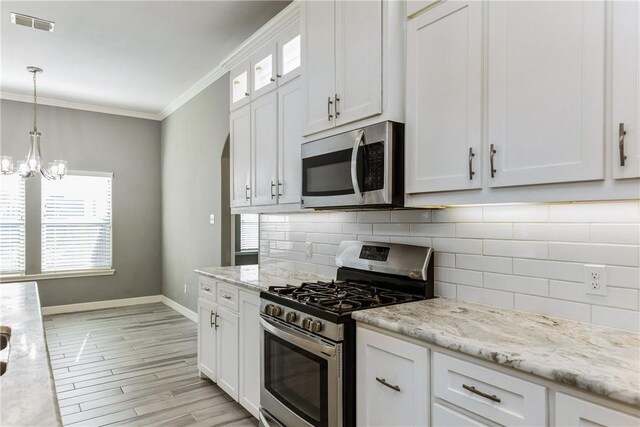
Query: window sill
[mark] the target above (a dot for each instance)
(56, 275)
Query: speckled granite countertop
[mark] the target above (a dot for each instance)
(257, 278)
(592, 358)
(27, 393)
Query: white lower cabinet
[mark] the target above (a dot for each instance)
(392, 381)
(227, 351)
(571, 411)
(250, 352)
(206, 338)
(443, 416)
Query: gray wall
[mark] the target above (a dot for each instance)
(128, 147)
(193, 140)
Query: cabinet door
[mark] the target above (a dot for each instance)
(263, 70)
(290, 107)
(443, 416)
(392, 381)
(571, 411)
(626, 89)
(289, 53)
(264, 153)
(227, 351)
(318, 40)
(206, 339)
(240, 139)
(240, 85)
(444, 98)
(358, 60)
(250, 352)
(546, 63)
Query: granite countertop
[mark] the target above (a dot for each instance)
(257, 278)
(28, 396)
(596, 359)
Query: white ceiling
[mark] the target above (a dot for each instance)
(131, 55)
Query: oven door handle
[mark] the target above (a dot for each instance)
(301, 340)
(354, 166)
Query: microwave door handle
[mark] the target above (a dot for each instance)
(354, 166)
(297, 338)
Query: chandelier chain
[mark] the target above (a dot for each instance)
(35, 104)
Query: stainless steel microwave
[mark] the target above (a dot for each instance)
(363, 168)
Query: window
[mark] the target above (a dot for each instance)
(12, 225)
(76, 223)
(249, 232)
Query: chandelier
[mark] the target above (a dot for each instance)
(33, 164)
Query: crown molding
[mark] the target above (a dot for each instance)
(53, 102)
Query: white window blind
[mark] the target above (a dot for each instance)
(76, 223)
(12, 225)
(249, 232)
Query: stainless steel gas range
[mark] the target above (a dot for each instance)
(308, 336)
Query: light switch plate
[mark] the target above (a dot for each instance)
(595, 280)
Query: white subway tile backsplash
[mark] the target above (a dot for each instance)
(484, 230)
(616, 233)
(595, 253)
(486, 296)
(530, 257)
(483, 263)
(516, 248)
(616, 297)
(460, 277)
(519, 284)
(553, 307)
(552, 232)
(616, 318)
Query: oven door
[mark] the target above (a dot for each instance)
(349, 169)
(301, 382)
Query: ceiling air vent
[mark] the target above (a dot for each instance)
(32, 22)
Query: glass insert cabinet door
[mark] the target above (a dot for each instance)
(264, 70)
(240, 90)
(289, 53)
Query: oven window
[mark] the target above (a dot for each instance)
(330, 174)
(297, 378)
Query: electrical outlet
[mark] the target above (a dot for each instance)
(308, 248)
(212, 219)
(185, 288)
(595, 280)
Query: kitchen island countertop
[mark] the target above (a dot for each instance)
(591, 358)
(27, 393)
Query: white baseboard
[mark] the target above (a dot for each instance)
(191, 315)
(97, 305)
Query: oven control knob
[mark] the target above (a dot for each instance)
(315, 326)
(306, 323)
(276, 311)
(290, 317)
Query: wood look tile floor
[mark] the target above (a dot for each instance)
(134, 366)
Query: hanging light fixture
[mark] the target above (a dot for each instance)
(33, 164)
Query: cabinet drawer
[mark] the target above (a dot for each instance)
(498, 397)
(447, 417)
(207, 288)
(228, 296)
(571, 411)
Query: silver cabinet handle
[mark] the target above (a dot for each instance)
(215, 320)
(212, 318)
(329, 115)
(272, 79)
(279, 76)
(246, 94)
(473, 390)
(225, 296)
(492, 153)
(354, 166)
(273, 186)
(247, 194)
(385, 383)
(206, 288)
(280, 188)
(471, 156)
(621, 134)
(337, 100)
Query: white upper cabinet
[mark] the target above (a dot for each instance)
(318, 40)
(290, 118)
(443, 133)
(546, 82)
(264, 141)
(240, 141)
(263, 70)
(289, 53)
(358, 56)
(626, 90)
(240, 90)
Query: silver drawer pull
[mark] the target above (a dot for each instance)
(226, 296)
(473, 390)
(621, 134)
(385, 383)
(206, 289)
